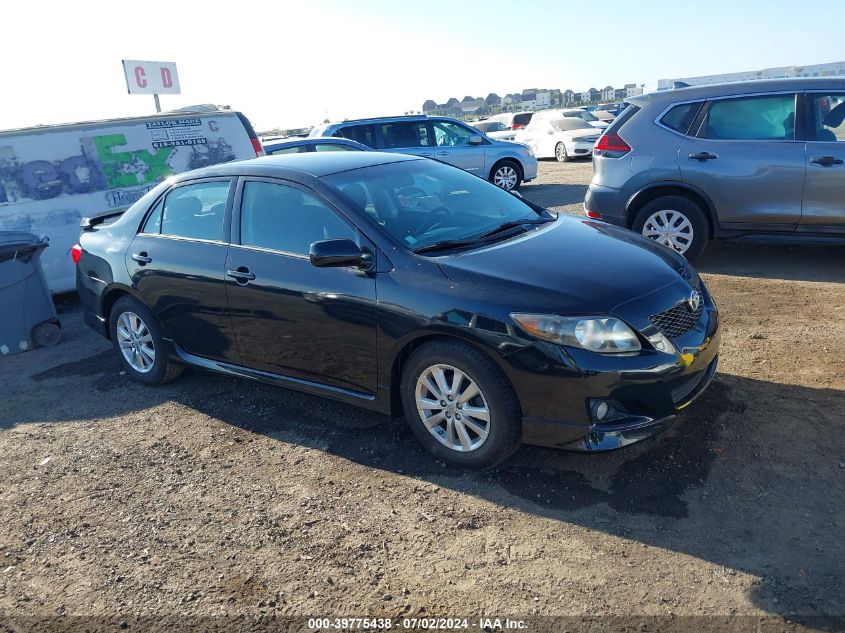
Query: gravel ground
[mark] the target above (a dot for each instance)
(214, 496)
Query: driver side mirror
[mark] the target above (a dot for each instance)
(338, 254)
(476, 139)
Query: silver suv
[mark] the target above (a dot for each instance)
(503, 163)
(685, 166)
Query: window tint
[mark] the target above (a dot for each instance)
(329, 147)
(286, 219)
(681, 117)
(153, 223)
(752, 118)
(405, 134)
(296, 149)
(827, 117)
(196, 211)
(448, 134)
(522, 119)
(365, 134)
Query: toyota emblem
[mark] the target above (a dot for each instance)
(694, 300)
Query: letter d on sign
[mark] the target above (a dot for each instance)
(140, 77)
(166, 80)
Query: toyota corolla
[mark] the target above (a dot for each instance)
(407, 287)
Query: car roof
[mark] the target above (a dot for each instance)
(313, 164)
(388, 119)
(311, 140)
(753, 86)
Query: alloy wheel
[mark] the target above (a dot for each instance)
(670, 228)
(505, 177)
(452, 408)
(136, 342)
(560, 152)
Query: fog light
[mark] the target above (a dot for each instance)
(601, 411)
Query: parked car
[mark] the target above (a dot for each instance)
(51, 176)
(495, 129)
(584, 115)
(513, 120)
(504, 163)
(404, 285)
(302, 145)
(559, 138)
(688, 165)
(604, 116)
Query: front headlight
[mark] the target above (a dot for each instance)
(529, 151)
(597, 334)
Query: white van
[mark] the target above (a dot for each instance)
(53, 176)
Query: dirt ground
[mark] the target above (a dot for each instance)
(214, 496)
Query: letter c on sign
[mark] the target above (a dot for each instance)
(140, 77)
(166, 80)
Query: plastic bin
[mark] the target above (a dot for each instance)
(27, 314)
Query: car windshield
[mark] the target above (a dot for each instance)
(567, 125)
(488, 126)
(423, 202)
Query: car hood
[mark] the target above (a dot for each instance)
(571, 266)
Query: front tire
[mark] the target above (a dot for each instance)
(676, 222)
(460, 406)
(561, 154)
(507, 175)
(139, 342)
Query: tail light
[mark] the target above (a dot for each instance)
(517, 126)
(256, 145)
(611, 145)
(75, 253)
(593, 214)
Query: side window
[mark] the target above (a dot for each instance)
(752, 119)
(681, 117)
(196, 211)
(448, 134)
(405, 134)
(296, 149)
(153, 221)
(329, 147)
(827, 117)
(283, 218)
(365, 134)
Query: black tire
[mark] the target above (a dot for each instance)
(686, 208)
(502, 164)
(561, 156)
(47, 334)
(505, 425)
(163, 369)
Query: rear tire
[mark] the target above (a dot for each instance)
(481, 425)
(561, 154)
(507, 175)
(139, 343)
(676, 222)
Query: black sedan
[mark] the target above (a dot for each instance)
(407, 287)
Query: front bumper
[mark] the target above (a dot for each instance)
(529, 168)
(645, 390)
(580, 149)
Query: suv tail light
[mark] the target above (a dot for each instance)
(256, 145)
(517, 126)
(611, 145)
(75, 253)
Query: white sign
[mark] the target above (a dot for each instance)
(151, 77)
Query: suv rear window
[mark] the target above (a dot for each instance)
(622, 119)
(522, 119)
(681, 117)
(365, 134)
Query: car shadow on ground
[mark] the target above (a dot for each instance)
(725, 484)
(768, 258)
(552, 196)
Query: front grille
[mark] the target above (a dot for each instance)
(677, 320)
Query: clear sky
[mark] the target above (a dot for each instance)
(290, 63)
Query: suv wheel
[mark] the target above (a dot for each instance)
(560, 153)
(138, 340)
(507, 175)
(676, 222)
(460, 406)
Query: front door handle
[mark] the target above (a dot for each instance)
(703, 156)
(241, 275)
(826, 161)
(142, 258)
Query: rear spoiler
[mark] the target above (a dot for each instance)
(88, 224)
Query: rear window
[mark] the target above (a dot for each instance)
(622, 119)
(522, 119)
(681, 117)
(365, 134)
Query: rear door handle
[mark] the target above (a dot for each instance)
(703, 156)
(142, 258)
(826, 161)
(241, 275)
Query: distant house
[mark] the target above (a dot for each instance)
(453, 103)
(429, 106)
(493, 100)
(569, 97)
(608, 94)
(590, 96)
(632, 90)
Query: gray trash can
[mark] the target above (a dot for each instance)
(27, 314)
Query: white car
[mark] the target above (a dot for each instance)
(561, 138)
(582, 114)
(495, 129)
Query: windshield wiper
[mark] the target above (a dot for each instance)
(444, 244)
